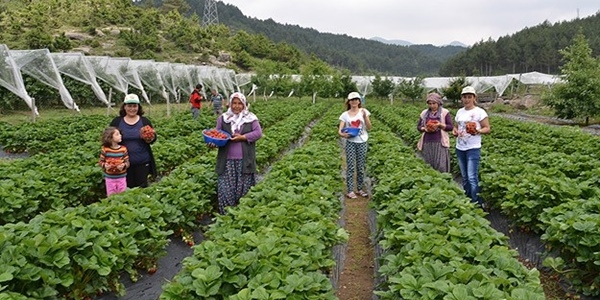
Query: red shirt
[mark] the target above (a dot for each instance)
(196, 99)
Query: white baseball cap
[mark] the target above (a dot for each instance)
(468, 90)
(132, 99)
(353, 95)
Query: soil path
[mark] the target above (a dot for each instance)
(356, 278)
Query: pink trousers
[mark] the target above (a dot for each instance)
(115, 185)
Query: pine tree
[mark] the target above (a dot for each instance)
(578, 96)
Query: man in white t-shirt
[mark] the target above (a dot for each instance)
(470, 123)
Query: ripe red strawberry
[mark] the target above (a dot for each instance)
(214, 133)
(471, 128)
(147, 132)
(431, 125)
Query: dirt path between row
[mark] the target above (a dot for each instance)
(356, 278)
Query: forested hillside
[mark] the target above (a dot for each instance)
(120, 28)
(360, 56)
(531, 49)
(170, 31)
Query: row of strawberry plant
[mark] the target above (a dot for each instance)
(436, 243)
(70, 177)
(553, 190)
(60, 134)
(90, 261)
(546, 179)
(81, 181)
(277, 243)
(44, 136)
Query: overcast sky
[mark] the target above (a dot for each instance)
(437, 22)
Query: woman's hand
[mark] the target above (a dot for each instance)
(343, 134)
(236, 137)
(211, 145)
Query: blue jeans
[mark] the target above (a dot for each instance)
(468, 161)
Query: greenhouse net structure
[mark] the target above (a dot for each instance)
(11, 79)
(171, 80)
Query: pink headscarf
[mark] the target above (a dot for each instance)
(435, 97)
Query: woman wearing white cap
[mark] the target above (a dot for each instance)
(130, 121)
(236, 161)
(471, 122)
(356, 147)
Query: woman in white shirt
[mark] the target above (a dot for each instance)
(471, 122)
(356, 147)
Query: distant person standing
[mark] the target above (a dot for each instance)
(217, 102)
(471, 122)
(196, 101)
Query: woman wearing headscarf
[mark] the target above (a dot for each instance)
(236, 161)
(435, 122)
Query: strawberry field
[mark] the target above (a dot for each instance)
(60, 238)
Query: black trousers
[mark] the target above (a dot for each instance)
(137, 175)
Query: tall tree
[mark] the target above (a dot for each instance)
(579, 94)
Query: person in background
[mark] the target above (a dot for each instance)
(471, 122)
(236, 161)
(132, 123)
(216, 100)
(114, 161)
(196, 101)
(435, 122)
(356, 147)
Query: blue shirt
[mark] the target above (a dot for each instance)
(136, 146)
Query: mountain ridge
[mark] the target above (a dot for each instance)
(407, 43)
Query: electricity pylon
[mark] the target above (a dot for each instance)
(210, 16)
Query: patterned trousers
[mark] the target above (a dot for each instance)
(233, 184)
(356, 156)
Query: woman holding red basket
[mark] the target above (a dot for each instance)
(236, 161)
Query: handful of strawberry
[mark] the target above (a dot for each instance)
(431, 125)
(112, 165)
(215, 134)
(471, 128)
(147, 133)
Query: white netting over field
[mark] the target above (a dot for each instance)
(40, 65)
(171, 79)
(11, 79)
(76, 66)
(149, 75)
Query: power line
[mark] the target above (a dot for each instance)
(210, 16)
